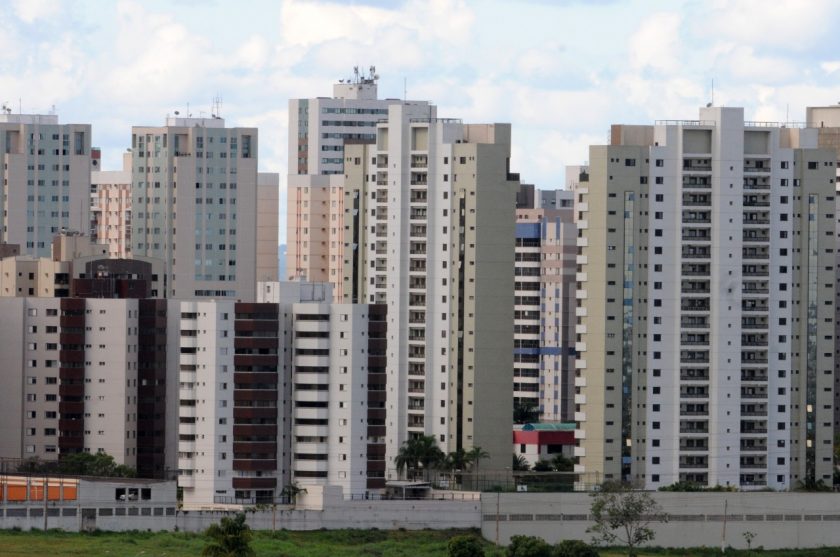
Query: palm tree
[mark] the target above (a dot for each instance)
(230, 538)
(475, 455)
(418, 452)
(456, 461)
(562, 464)
(520, 463)
(525, 413)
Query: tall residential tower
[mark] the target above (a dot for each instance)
(705, 332)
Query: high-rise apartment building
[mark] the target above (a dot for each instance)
(46, 180)
(826, 119)
(544, 290)
(110, 208)
(319, 128)
(194, 205)
(429, 231)
(70, 375)
(706, 283)
(290, 389)
(268, 200)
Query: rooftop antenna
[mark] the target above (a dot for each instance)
(356, 73)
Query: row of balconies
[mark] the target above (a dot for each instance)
(697, 217)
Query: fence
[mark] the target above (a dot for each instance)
(503, 480)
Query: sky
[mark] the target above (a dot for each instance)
(560, 71)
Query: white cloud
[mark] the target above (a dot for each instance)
(154, 59)
(830, 67)
(797, 24)
(30, 11)
(656, 43)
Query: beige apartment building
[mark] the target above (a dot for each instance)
(194, 205)
(705, 348)
(319, 129)
(46, 180)
(110, 208)
(70, 377)
(544, 304)
(429, 231)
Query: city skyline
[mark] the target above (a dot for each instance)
(560, 74)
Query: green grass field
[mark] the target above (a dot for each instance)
(333, 543)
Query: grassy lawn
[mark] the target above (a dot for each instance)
(333, 543)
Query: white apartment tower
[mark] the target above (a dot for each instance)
(705, 305)
(194, 205)
(319, 128)
(46, 179)
(429, 225)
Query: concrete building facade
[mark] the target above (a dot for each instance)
(429, 231)
(319, 129)
(544, 284)
(205, 230)
(705, 305)
(46, 180)
(110, 208)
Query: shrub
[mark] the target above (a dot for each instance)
(528, 546)
(574, 548)
(464, 546)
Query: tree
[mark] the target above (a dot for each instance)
(475, 455)
(542, 466)
(528, 546)
(624, 516)
(573, 548)
(230, 538)
(562, 464)
(98, 464)
(291, 491)
(464, 546)
(520, 463)
(525, 413)
(418, 452)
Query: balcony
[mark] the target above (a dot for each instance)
(696, 182)
(696, 217)
(694, 374)
(756, 220)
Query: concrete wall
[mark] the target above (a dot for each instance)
(779, 520)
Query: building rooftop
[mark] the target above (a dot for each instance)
(46, 119)
(188, 122)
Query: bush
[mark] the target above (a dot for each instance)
(574, 548)
(464, 546)
(528, 546)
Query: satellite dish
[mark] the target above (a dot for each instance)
(708, 105)
(177, 113)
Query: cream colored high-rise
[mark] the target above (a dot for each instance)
(705, 305)
(429, 231)
(46, 180)
(110, 208)
(319, 129)
(194, 205)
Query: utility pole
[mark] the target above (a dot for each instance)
(723, 534)
(498, 496)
